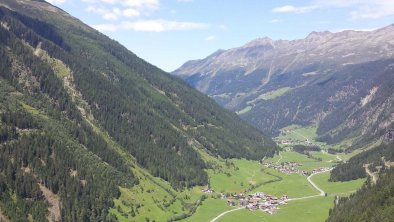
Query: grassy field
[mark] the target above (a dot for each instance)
(307, 163)
(266, 96)
(270, 95)
(238, 177)
(208, 210)
(308, 210)
(245, 110)
(337, 188)
(293, 185)
(295, 132)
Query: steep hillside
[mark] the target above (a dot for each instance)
(339, 82)
(370, 203)
(83, 118)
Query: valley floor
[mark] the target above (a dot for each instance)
(311, 194)
(303, 178)
(307, 194)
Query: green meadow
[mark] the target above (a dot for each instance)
(307, 163)
(235, 176)
(337, 188)
(240, 176)
(293, 185)
(208, 210)
(308, 210)
(270, 95)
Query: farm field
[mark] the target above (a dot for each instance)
(308, 210)
(293, 185)
(208, 210)
(307, 163)
(337, 188)
(239, 176)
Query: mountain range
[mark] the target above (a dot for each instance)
(339, 82)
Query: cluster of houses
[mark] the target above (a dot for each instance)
(258, 201)
(287, 167)
(207, 190)
(321, 169)
(306, 142)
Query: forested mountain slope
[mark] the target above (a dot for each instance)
(339, 82)
(371, 203)
(80, 114)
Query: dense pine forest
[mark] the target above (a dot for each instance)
(374, 201)
(355, 167)
(62, 85)
(371, 203)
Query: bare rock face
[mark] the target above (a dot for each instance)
(348, 74)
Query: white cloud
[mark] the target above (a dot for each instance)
(130, 12)
(56, 2)
(159, 25)
(105, 27)
(376, 10)
(151, 4)
(294, 9)
(114, 13)
(362, 9)
(118, 9)
(274, 21)
(358, 9)
(353, 29)
(210, 38)
(223, 27)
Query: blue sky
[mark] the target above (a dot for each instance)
(167, 33)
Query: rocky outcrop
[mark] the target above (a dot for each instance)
(389, 136)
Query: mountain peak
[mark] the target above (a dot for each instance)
(318, 35)
(259, 41)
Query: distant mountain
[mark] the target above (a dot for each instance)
(83, 120)
(341, 82)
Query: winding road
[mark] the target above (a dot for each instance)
(226, 212)
(372, 175)
(322, 193)
(280, 158)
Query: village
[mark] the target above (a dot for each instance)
(258, 201)
(305, 142)
(292, 167)
(265, 202)
(287, 167)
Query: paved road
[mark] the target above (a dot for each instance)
(226, 212)
(280, 158)
(322, 193)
